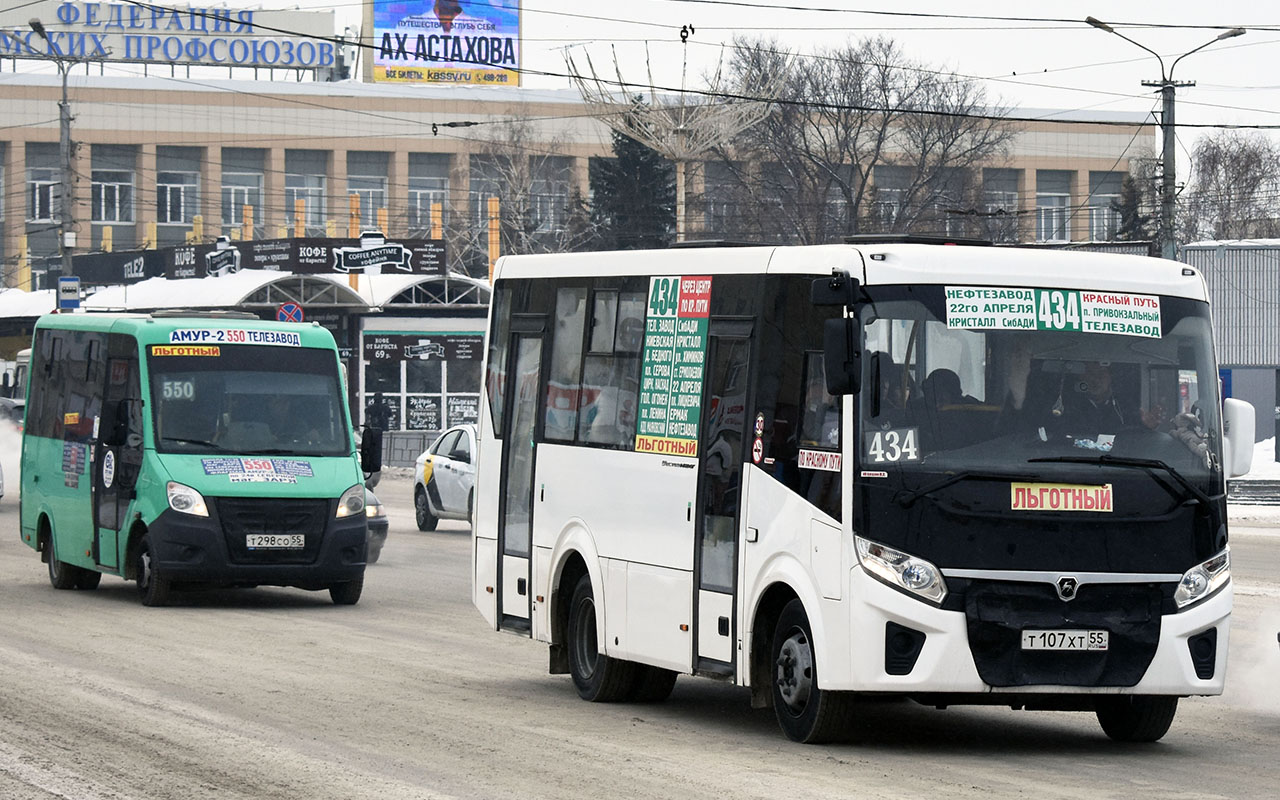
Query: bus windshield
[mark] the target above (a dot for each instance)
(232, 399)
(958, 417)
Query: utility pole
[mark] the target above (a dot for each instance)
(66, 223)
(1169, 155)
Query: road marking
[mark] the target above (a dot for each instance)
(42, 774)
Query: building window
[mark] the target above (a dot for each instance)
(310, 190)
(891, 184)
(177, 197)
(1053, 200)
(44, 195)
(240, 189)
(372, 191)
(112, 196)
(1104, 190)
(424, 193)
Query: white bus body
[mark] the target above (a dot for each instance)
(976, 552)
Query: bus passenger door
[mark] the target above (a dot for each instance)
(720, 456)
(515, 527)
(118, 455)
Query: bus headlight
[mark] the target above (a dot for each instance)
(902, 570)
(351, 502)
(1204, 579)
(185, 500)
(374, 510)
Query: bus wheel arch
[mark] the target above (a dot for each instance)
(61, 574)
(572, 568)
(768, 610)
(131, 551)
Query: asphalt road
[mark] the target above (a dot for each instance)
(277, 693)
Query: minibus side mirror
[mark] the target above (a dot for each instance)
(371, 451)
(842, 355)
(114, 424)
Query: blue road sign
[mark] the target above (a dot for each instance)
(289, 312)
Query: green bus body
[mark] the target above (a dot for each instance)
(128, 413)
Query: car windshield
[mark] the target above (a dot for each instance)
(247, 400)
(1025, 381)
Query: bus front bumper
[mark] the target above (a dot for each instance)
(946, 663)
(216, 551)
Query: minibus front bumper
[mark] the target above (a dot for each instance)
(260, 541)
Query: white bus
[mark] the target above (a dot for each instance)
(957, 474)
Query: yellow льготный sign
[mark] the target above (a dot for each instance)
(1059, 497)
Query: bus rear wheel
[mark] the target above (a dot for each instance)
(1136, 718)
(153, 586)
(61, 574)
(597, 677)
(652, 684)
(806, 712)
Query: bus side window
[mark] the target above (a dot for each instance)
(565, 374)
(820, 420)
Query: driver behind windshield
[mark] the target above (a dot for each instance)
(1095, 408)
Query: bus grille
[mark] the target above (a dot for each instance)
(997, 612)
(241, 517)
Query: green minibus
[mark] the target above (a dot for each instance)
(191, 450)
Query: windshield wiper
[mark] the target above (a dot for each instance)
(270, 451)
(905, 499)
(1141, 463)
(204, 442)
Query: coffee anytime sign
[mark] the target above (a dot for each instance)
(1082, 311)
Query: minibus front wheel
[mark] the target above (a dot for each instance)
(153, 587)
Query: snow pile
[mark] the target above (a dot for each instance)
(1264, 467)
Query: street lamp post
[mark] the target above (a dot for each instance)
(1168, 86)
(66, 225)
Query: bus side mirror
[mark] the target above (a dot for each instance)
(841, 355)
(371, 451)
(841, 289)
(1238, 427)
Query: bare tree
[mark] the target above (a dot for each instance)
(540, 209)
(1235, 188)
(861, 138)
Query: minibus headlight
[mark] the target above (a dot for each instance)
(902, 570)
(186, 500)
(1204, 579)
(351, 502)
(375, 510)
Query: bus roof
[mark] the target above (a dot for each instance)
(878, 264)
(194, 329)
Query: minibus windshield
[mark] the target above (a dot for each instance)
(247, 400)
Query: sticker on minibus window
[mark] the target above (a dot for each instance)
(1076, 310)
(234, 336)
(184, 350)
(258, 470)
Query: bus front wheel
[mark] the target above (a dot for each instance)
(153, 587)
(597, 677)
(1136, 718)
(806, 712)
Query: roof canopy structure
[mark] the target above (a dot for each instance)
(259, 289)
